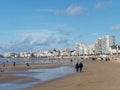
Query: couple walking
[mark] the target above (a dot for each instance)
(79, 66)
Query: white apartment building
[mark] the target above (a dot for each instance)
(79, 49)
(102, 45)
(42, 53)
(10, 55)
(25, 54)
(65, 52)
(90, 49)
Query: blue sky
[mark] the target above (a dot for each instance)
(29, 25)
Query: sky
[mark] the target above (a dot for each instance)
(31, 25)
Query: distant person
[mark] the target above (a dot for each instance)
(81, 66)
(14, 63)
(28, 64)
(71, 60)
(77, 67)
(107, 59)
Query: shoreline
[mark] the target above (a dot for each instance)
(96, 75)
(16, 75)
(92, 69)
(8, 75)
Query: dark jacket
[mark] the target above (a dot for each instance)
(77, 65)
(80, 65)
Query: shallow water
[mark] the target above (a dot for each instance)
(31, 60)
(42, 75)
(49, 74)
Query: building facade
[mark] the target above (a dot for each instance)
(102, 45)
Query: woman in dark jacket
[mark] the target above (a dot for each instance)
(77, 67)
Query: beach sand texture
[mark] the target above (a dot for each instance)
(97, 75)
(9, 76)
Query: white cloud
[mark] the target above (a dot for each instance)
(116, 28)
(101, 5)
(70, 11)
(31, 40)
(40, 38)
(74, 10)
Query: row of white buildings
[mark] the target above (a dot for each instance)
(41, 53)
(101, 46)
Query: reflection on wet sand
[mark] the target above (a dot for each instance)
(41, 75)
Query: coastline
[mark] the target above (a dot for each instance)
(8, 76)
(96, 74)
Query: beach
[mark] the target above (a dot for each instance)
(22, 76)
(10, 70)
(96, 75)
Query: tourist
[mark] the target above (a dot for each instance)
(71, 61)
(107, 59)
(77, 67)
(14, 63)
(27, 64)
(81, 66)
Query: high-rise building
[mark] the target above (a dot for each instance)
(79, 49)
(102, 45)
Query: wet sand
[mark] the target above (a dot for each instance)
(8, 75)
(96, 75)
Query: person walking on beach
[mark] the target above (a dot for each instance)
(81, 66)
(14, 63)
(77, 67)
(27, 64)
(71, 60)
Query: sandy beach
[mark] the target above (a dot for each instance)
(9, 76)
(96, 75)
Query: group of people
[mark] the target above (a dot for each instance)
(79, 66)
(14, 64)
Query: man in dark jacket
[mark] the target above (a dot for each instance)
(81, 66)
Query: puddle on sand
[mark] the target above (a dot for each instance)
(42, 75)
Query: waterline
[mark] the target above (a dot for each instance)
(42, 75)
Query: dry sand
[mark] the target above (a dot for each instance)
(97, 75)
